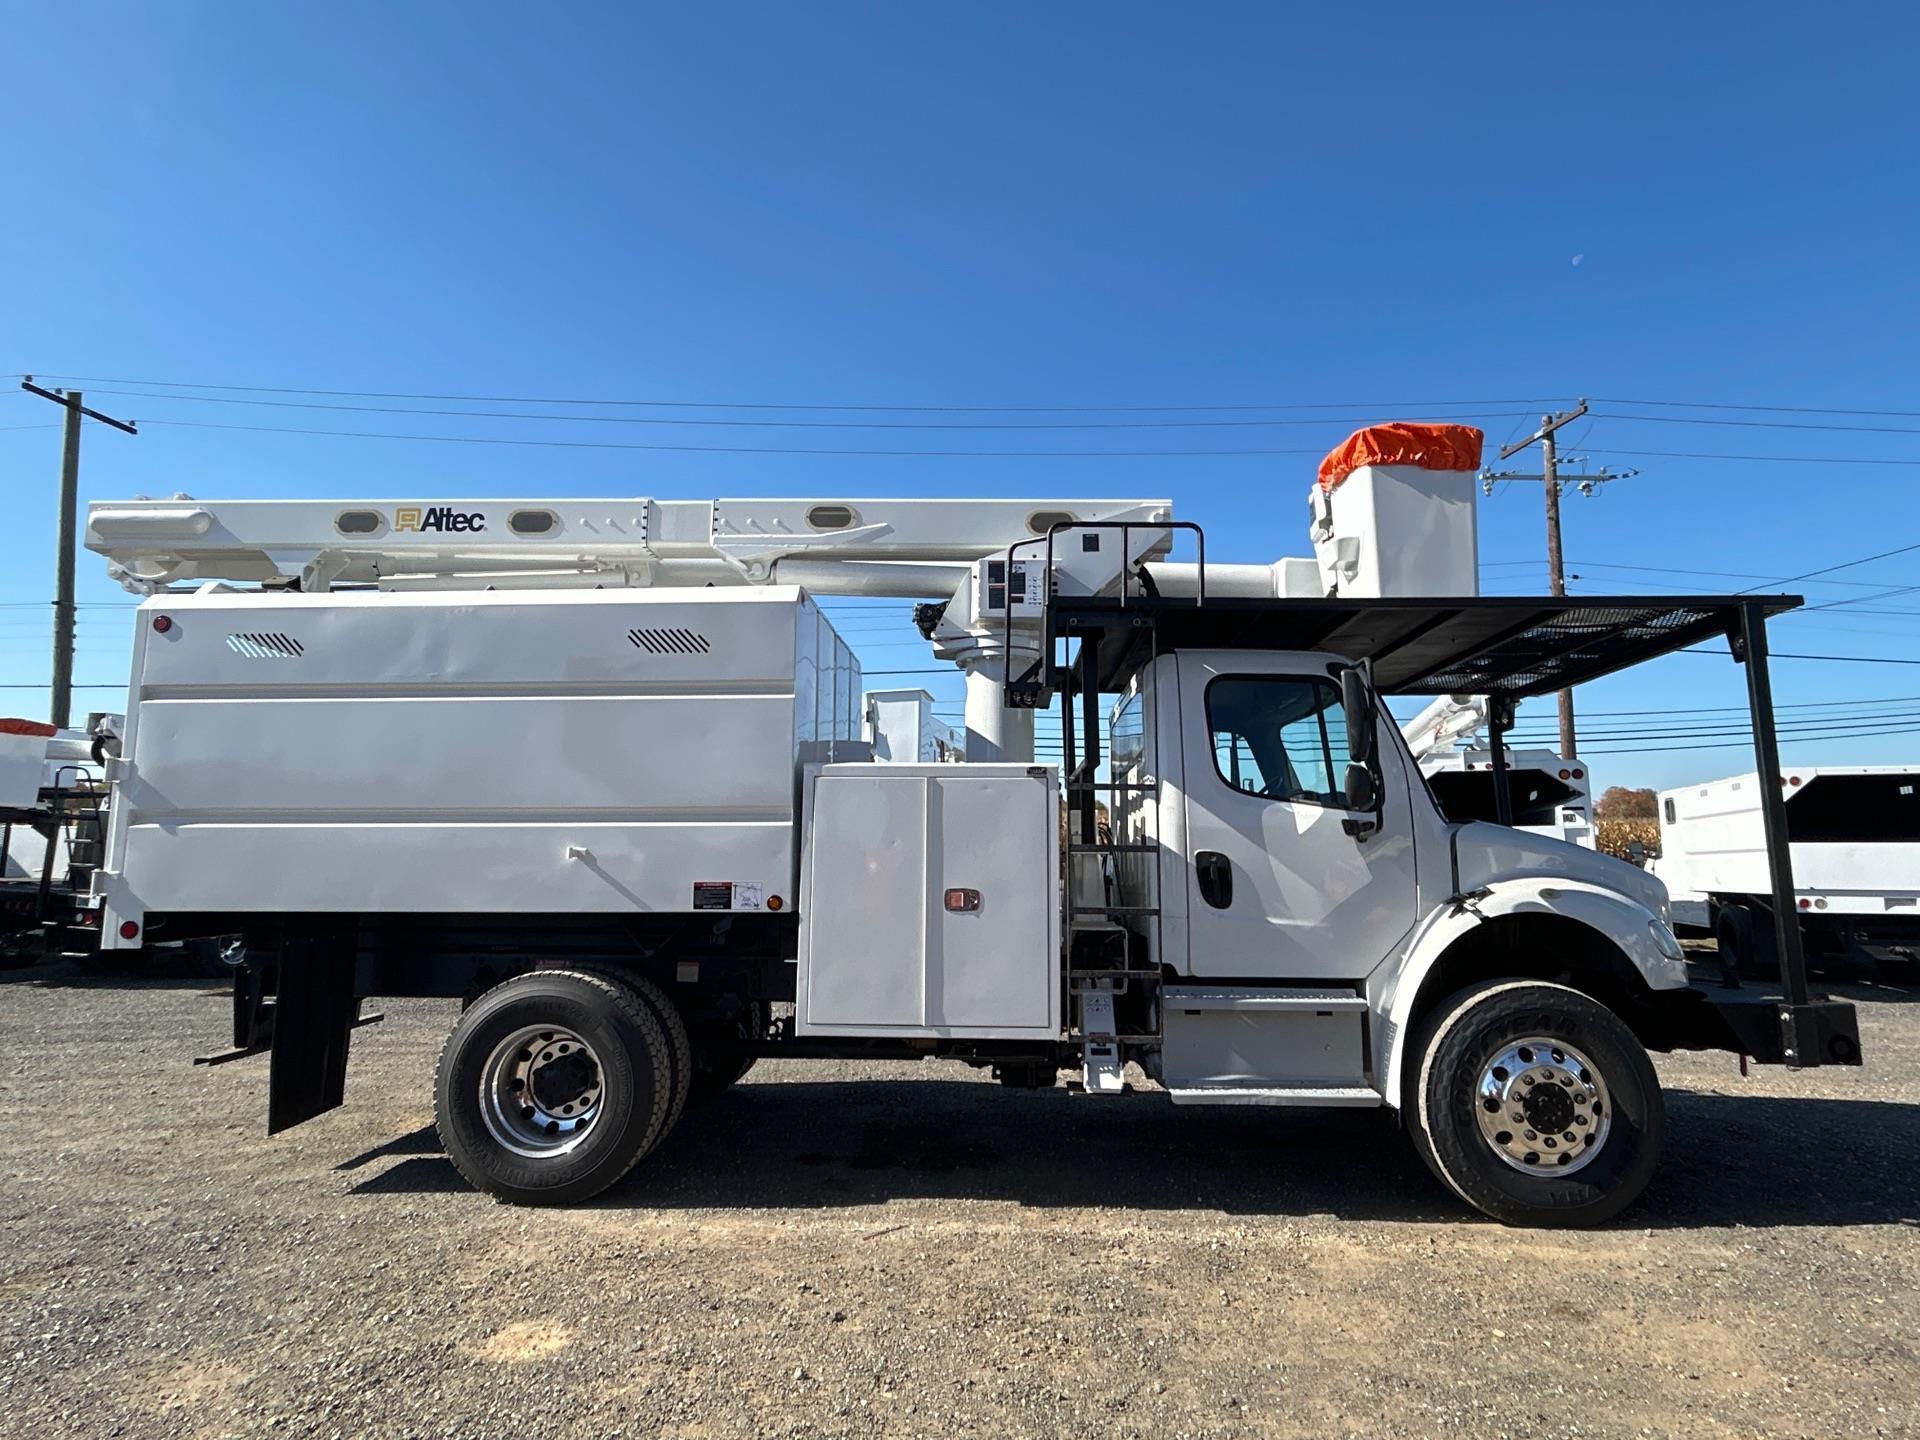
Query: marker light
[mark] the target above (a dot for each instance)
(128, 929)
(162, 623)
(774, 902)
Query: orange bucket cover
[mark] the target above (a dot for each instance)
(26, 727)
(1431, 447)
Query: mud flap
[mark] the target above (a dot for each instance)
(313, 1018)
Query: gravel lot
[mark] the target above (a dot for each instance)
(840, 1250)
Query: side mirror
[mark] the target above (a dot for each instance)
(1636, 852)
(1357, 700)
(1362, 792)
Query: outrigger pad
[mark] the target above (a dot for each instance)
(1776, 1032)
(313, 1016)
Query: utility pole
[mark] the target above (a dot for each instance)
(63, 608)
(1556, 573)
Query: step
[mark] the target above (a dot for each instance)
(1243, 998)
(1356, 1096)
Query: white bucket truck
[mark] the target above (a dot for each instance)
(593, 767)
(1547, 792)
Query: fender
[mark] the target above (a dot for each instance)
(1629, 926)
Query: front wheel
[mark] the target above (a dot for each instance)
(1535, 1104)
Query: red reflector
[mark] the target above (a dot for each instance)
(1579, 774)
(1794, 781)
(963, 901)
(128, 929)
(163, 623)
(1806, 904)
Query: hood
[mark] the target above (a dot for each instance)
(1486, 853)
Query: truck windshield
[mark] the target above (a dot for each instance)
(1840, 809)
(1281, 737)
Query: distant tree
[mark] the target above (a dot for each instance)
(1620, 803)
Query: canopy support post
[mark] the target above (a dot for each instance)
(1750, 647)
(1499, 721)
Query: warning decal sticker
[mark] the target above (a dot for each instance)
(729, 895)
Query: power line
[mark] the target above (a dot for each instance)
(1766, 459)
(781, 405)
(1676, 570)
(1742, 744)
(1790, 655)
(1765, 409)
(1738, 424)
(794, 424)
(1843, 565)
(737, 449)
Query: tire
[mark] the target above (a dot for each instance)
(556, 1032)
(1485, 1026)
(1745, 938)
(672, 1025)
(720, 1059)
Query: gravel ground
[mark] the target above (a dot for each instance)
(856, 1250)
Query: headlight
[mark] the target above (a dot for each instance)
(1666, 940)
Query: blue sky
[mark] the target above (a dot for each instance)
(1376, 211)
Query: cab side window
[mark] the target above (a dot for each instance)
(1281, 737)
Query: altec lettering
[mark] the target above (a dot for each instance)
(443, 518)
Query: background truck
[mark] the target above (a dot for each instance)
(52, 828)
(1547, 793)
(1855, 833)
(593, 767)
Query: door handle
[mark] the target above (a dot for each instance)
(1215, 874)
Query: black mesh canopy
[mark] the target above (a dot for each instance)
(1509, 645)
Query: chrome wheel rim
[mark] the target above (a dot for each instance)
(1543, 1106)
(541, 1091)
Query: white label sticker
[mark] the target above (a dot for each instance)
(748, 895)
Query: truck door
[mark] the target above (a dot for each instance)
(1276, 886)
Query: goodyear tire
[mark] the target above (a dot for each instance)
(1534, 1103)
(552, 1086)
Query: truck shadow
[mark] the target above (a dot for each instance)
(1730, 1160)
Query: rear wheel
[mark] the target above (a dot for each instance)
(672, 1026)
(1535, 1104)
(720, 1050)
(552, 1086)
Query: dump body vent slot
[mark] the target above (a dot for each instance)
(265, 645)
(670, 640)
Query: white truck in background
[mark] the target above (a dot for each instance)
(52, 827)
(1548, 794)
(1855, 836)
(903, 729)
(646, 818)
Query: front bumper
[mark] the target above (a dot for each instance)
(1765, 1027)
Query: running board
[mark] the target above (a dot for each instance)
(1249, 1001)
(1356, 1096)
